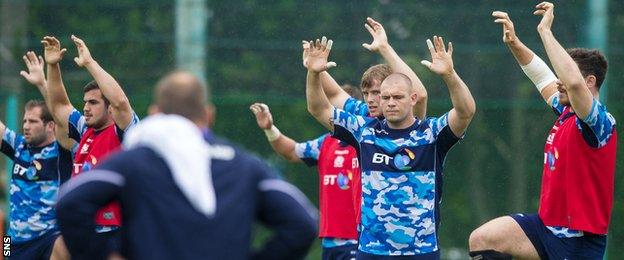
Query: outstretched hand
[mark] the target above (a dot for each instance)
(441, 60)
(316, 54)
(546, 10)
(35, 75)
(52, 50)
(509, 33)
(379, 35)
(84, 56)
(263, 115)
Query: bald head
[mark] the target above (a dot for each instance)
(183, 94)
(398, 79)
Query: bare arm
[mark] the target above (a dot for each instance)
(380, 44)
(463, 103)
(58, 101)
(36, 77)
(281, 143)
(581, 98)
(318, 104)
(336, 95)
(62, 137)
(121, 109)
(521, 52)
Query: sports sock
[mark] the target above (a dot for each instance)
(489, 255)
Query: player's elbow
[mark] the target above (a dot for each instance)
(120, 103)
(575, 84)
(305, 235)
(315, 110)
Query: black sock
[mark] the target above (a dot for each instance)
(489, 255)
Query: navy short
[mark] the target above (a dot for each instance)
(549, 246)
(38, 248)
(428, 256)
(346, 252)
(113, 240)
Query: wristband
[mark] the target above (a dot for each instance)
(272, 133)
(539, 73)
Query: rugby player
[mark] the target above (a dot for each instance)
(41, 163)
(579, 158)
(99, 132)
(401, 156)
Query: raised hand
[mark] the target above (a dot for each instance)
(35, 75)
(315, 56)
(441, 60)
(52, 50)
(263, 115)
(509, 33)
(379, 35)
(546, 10)
(84, 56)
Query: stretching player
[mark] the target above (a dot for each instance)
(41, 163)
(339, 182)
(99, 132)
(579, 158)
(167, 184)
(401, 156)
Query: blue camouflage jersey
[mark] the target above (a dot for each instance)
(37, 174)
(596, 129)
(356, 107)
(310, 150)
(401, 181)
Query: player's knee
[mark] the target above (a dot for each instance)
(479, 239)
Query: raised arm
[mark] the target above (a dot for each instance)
(58, 102)
(318, 104)
(336, 95)
(533, 66)
(380, 44)
(36, 77)
(281, 143)
(581, 99)
(121, 109)
(463, 103)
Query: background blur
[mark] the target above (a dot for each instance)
(253, 53)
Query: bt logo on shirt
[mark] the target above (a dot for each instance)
(401, 161)
(340, 179)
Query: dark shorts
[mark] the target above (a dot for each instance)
(346, 252)
(38, 248)
(429, 256)
(549, 246)
(113, 240)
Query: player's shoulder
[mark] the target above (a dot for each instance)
(224, 151)
(138, 159)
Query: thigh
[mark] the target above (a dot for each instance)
(59, 251)
(505, 234)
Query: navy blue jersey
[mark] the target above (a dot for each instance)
(160, 223)
(37, 174)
